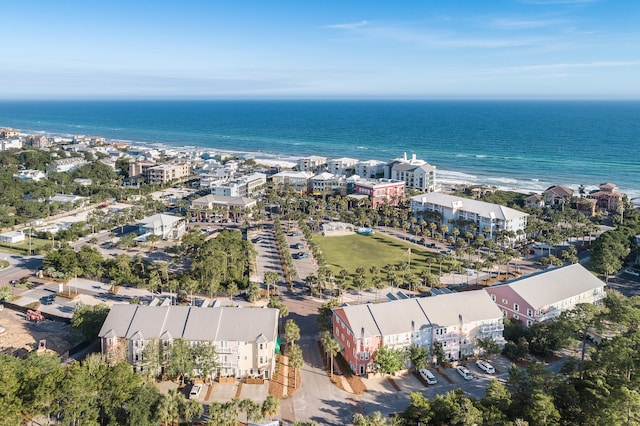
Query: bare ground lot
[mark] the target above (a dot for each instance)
(22, 336)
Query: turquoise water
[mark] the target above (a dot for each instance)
(513, 144)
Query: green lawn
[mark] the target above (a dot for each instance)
(352, 251)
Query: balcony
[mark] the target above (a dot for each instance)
(491, 328)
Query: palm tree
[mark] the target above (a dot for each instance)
(270, 277)
(331, 346)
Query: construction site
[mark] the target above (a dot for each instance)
(30, 331)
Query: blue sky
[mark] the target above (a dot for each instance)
(569, 49)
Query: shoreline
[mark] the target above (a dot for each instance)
(444, 176)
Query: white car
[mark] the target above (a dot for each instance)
(632, 271)
(464, 372)
(195, 391)
(485, 366)
(428, 376)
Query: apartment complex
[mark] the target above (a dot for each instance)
(165, 173)
(546, 295)
(416, 174)
(456, 321)
(470, 215)
(312, 163)
(245, 338)
(298, 181)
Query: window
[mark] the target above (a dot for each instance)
(505, 301)
(515, 316)
(529, 322)
(493, 297)
(348, 343)
(529, 312)
(261, 346)
(504, 313)
(516, 307)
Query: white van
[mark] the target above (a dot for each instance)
(428, 376)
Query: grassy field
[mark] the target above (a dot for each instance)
(351, 251)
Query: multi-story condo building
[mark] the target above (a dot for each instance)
(417, 174)
(470, 215)
(298, 181)
(244, 338)
(165, 173)
(370, 169)
(38, 141)
(328, 184)
(546, 295)
(212, 206)
(456, 321)
(8, 133)
(381, 191)
(342, 166)
(312, 163)
(6, 144)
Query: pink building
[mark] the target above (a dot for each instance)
(381, 191)
(607, 197)
(456, 321)
(546, 295)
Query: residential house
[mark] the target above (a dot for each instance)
(38, 141)
(298, 181)
(245, 338)
(6, 144)
(65, 165)
(381, 191)
(8, 133)
(30, 175)
(534, 201)
(455, 320)
(342, 166)
(370, 169)
(557, 195)
(545, 295)
(312, 163)
(74, 200)
(607, 197)
(163, 225)
(586, 206)
(470, 215)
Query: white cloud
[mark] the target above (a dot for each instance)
(565, 66)
(348, 26)
(523, 24)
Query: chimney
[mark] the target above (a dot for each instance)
(413, 158)
(405, 156)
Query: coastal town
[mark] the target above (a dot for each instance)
(243, 290)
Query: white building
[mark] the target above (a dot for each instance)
(342, 166)
(470, 215)
(456, 321)
(12, 237)
(417, 174)
(370, 169)
(244, 338)
(15, 143)
(312, 163)
(163, 225)
(328, 184)
(295, 180)
(67, 164)
(30, 175)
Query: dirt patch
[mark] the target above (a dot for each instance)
(276, 384)
(23, 336)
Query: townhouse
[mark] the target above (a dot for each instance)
(545, 295)
(328, 184)
(342, 166)
(312, 163)
(455, 320)
(298, 181)
(470, 215)
(370, 169)
(245, 338)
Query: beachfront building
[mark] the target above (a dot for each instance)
(455, 320)
(342, 166)
(14, 143)
(245, 338)
(313, 163)
(8, 133)
(165, 226)
(38, 141)
(557, 196)
(164, 173)
(220, 206)
(607, 197)
(370, 169)
(417, 174)
(470, 215)
(65, 165)
(545, 295)
(380, 191)
(30, 175)
(327, 184)
(298, 181)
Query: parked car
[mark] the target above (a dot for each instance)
(428, 376)
(485, 366)
(464, 372)
(14, 282)
(293, 234)
(431, 245)
(298, 246)
(303, 255)
(48, 300)
(632, 271)
(195, 391)
(421, 241)
(256, 240)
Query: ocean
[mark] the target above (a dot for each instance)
(524, 145)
